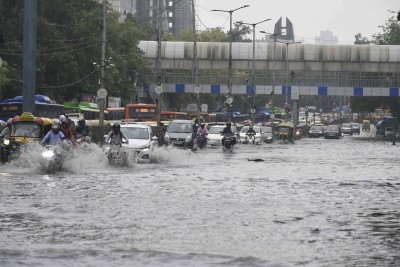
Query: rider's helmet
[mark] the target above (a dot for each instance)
(202, 125)
(62, 118)
(81, 122)
(116, 127)
(55, 127)
(228, 124)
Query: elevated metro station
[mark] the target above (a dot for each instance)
(295, 68)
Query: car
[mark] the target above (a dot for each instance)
(214, 137)
(346, 129)
(268, 135)
(356, 128)
(389, 132)
(258, 139)
(180, 133)
(316, 131)
(141, 140)
(332, 131)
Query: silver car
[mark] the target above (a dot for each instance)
(141, 140)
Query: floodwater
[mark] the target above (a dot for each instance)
(313, 203)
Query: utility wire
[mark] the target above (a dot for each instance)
(65, 85)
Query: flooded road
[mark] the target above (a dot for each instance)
(313, 203)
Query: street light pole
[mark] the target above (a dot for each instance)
(230, 49)
(196, 66)
(158, 65)
(102, 101)
(253, 83)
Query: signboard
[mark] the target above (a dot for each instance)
(114, 102)
(101, 93)
(204, 107)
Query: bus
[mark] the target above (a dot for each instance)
(173, 115)
(83, 110)
(44, 107)
(115, 114)
(141, 112)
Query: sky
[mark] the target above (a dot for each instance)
(344, 18)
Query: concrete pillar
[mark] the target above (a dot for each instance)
(29, 61)
(295, 111)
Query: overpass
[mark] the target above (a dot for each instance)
(298, 69)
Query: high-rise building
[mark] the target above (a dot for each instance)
(177, 15)
(326, 37)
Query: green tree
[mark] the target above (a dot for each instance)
(361, 39)
(390, 35)
(68, 43)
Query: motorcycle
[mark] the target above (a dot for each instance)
(81, 139)
(52, 158)
(201, 141)
(297, 134)
(228, 142)
(116, 155)
(9, 150)
(250, 138)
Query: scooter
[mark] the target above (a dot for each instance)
(52, 158)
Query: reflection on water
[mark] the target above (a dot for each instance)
(314, 203)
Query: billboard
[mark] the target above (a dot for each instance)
(114, 102)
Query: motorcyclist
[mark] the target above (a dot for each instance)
(54, 136)
(6, 131)
(66, 119)
(66, 128)
(228, 130)
(202, 130)
(250, 131)
(82, 129)
(116, 137)
(5, 134)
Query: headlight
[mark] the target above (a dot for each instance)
(269, 137)
(6, 142)
(188, 139)
(48, 154)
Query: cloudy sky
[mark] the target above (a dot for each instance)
(344, 18)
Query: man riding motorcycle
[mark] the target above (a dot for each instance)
(228, 130)
(6, 131)
(250, 131)
(54, 136)
(66, 128)
(115, 136)
(82, 129)
(203, 132)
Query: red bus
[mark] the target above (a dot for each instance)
(141, 112)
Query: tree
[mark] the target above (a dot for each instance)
(390, 32)
(361, 39)
(390, 36)
(68, 43)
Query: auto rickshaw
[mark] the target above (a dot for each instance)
(24, 129)
(366, 124)
(285, 132)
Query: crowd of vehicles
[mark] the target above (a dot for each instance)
(137, 123)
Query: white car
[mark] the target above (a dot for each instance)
(141, 140)
(258, 137)
(214, 137)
